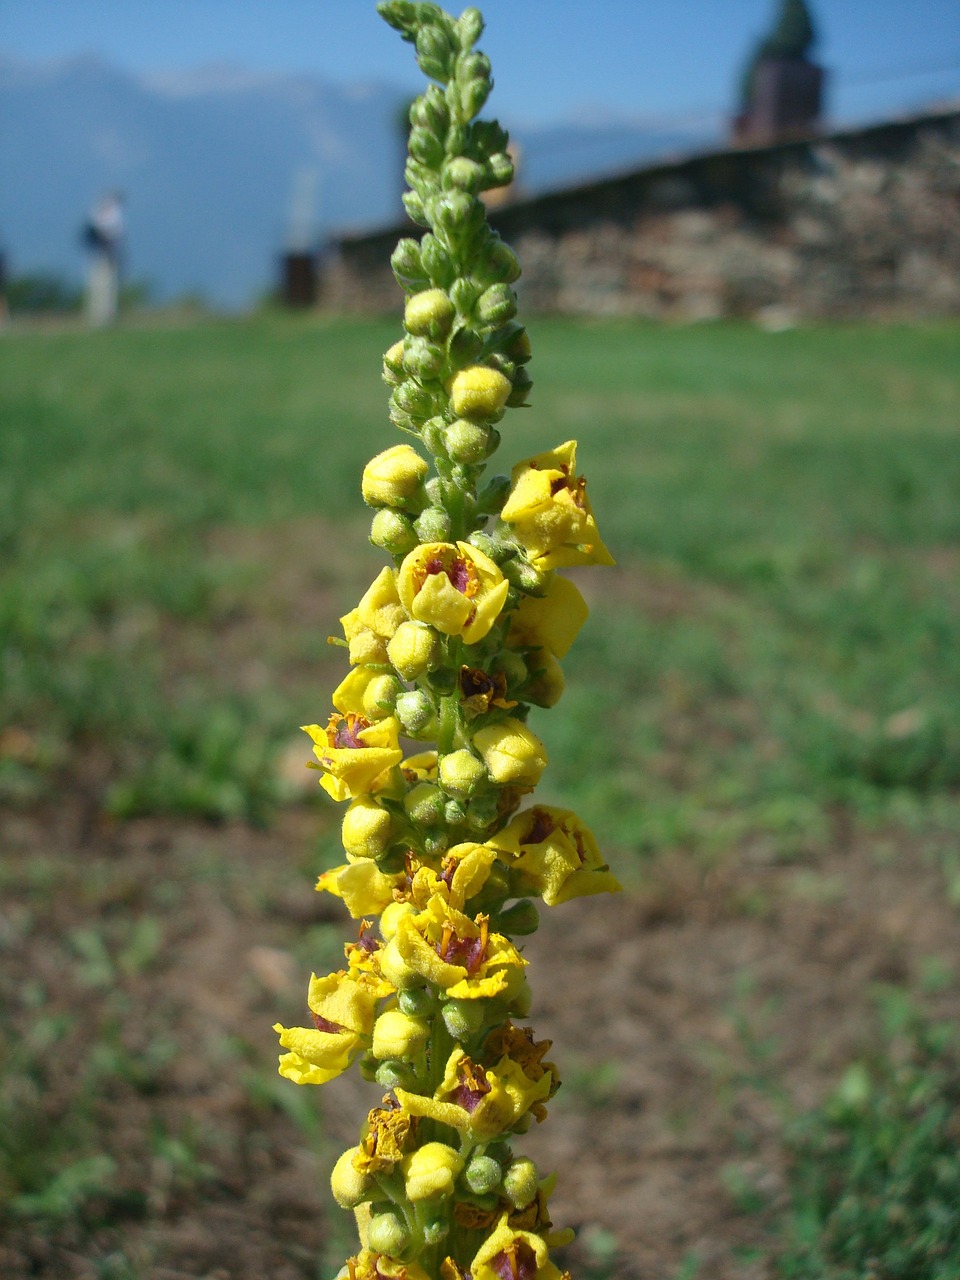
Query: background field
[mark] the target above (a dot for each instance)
(762, 725)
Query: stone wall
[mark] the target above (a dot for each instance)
(862, 222)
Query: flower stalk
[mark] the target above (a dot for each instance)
(449, 648)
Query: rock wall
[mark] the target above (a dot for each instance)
(862, 222)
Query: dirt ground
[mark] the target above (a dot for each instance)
(159, 1051)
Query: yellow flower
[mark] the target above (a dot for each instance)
(353, 753)
(550, 621)
(361, 886)
(509, 1252)
(394, 478)
(387, 1133)
(511, 752)
(371, 624)
(550, 512)
(456, 589)
(557, 854)
(368, 1265)
(479, 392)
(455, 953)
(484, 1101)
(463, 873)
(343, 1006)
(431, 1171)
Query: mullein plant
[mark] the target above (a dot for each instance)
(449, 648)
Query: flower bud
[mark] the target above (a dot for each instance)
(520, 1182)
(433, 51)
(437, 262)
(511, 752)
(407, 265)
(367, 828)
(349, 1186)
(388, 1233)
(473, 94)
(418, 1002)
(499, 262)
(380, 696)
(431, 1171)
(436, 1229)
(429, 111)
(424, 804)
(493, 495)
(546, 684)
(425, 146)
(392, 1073)
(465, 345)
(394, 478)
(413, 649)
(455, 212)
(414, 207)
(391, 916)
(497, 304)
(519, 920)
(470, 27)
(462, 173)
(482, 811)
(521, 573)
(413, 399)
(393, 365)
(470, 442)
(478, 392)
(424, 359)
(482, 1175)
(428, 314)
(434, 525)
(395, 1035)
(500, 169)
(414, 709)
(522, 383)
(461, 773)
(463, 1018)
(393, 532)
(454, 813)
(464, 293)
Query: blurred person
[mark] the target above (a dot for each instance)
(103, 239)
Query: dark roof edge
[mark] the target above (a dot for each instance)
(673, 164)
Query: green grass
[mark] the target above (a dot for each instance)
(181, 526)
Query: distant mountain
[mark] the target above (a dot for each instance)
(216, 164)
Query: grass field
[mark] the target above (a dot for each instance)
(762, 725)
(181, 528)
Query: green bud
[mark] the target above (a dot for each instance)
(434, 49)
(522, 382)
(412, 398)
(417, 1002)
(435, 1230)
(407, 265)
(437, 261)
(454, 212)
(514, 341)
(434, 490)
(434, 525)
(428, 314)
(470, 27)
(401, 14)
(520, 573)
(500, 169)
(454, 813)
(368, 1067)
(414, 207)
(393, 1072)
(482, 1175)
(422, 358)
(520, 919)
(473, 94)
(465, 345)
(513, 666)
(493, 495)
(424, 804)
(500, 263)
(425, 146)
(388, 1233)
(436, 843)
(464, 174)
(470, 442)
(497, 550)
(482, 812)
(414, 710)
(497, 304)
(520, 1182)
(463, 1018)
(433, 434)
(429, 111)
(464, 293)
(393, 531)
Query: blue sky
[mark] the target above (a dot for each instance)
(553, 59)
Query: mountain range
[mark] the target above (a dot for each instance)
(222, 169)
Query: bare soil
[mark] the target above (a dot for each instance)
(164, 1057)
